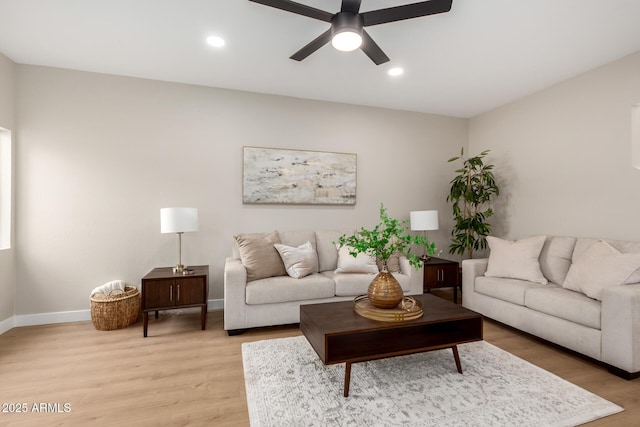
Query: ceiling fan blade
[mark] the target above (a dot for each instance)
(316, 44)
(372, 50)
(297, 8)
(352, 6)
(407, 11)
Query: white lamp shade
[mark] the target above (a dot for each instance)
(178, 220)
(424, 220)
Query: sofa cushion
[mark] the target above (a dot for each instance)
(555, 258)
(565, 304)
(259, 256)
(361, 263)
(326, 247)
(283, 289)
(516, 259)
(510, 290)
(599, 267)
(299, 261)
(357, 284)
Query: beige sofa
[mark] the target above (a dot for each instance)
(276, 300)
(596, 313)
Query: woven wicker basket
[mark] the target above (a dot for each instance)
(115, 311)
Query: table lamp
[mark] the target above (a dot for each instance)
(424, 221)
(178, 220)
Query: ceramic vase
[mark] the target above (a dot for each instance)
(385, 291)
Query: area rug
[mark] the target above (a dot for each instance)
(288, 385)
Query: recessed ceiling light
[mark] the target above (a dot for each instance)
(396, 71)
(215, 41)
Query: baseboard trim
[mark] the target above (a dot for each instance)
(215, 304)
(7, 325)
(51, 318)
(68, 316)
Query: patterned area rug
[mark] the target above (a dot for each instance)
(288, 385)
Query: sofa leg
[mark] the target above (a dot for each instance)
(623, 374)
(233, 332)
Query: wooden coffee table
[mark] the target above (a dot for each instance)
(339, 335)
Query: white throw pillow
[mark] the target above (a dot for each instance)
(299, 262)
(362, 263)
(600, 267)
(516, 260)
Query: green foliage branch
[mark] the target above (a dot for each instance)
(389, 237)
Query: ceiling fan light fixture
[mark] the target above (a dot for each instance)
(347, 26)
(346, 41)
(346, 31)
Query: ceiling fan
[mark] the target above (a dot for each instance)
(347, 31)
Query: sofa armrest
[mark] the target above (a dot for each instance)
(621, 327)
(415, 276)
(471, 268)
(235, 282)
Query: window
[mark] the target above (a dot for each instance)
(5, 189)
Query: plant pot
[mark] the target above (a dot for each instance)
(385, 291)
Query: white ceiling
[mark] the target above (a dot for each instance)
(482, 54)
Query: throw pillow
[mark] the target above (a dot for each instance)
(633, 279)
(516, 259)
(601, 266)
(259, 256)
(299, 261)
(362, 263)
(555, 258)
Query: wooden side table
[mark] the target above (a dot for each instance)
(162, 289)
(441, 273)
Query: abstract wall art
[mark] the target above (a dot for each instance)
(284, 176)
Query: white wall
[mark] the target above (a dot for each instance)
(7, 258)
(563, 156)
(99, 155)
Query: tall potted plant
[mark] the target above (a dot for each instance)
(472, 190)
(389, 237)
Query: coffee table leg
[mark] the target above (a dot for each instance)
(347, 378)
(457, 357)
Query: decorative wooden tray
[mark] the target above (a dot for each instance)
(408, 309)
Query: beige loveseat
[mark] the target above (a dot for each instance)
(276, 300)
(591, 303)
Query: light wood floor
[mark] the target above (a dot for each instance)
(181, 375)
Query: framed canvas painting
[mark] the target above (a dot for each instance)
(284, 176)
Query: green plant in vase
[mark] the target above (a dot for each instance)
(471, 193)
(390, 237)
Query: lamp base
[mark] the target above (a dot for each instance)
(181, 269)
